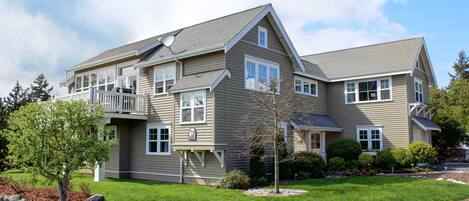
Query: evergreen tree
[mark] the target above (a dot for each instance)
(461, 67)
(17, 98)
(3, 114)
(3, 141)
(40, 89)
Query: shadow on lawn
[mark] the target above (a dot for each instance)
(356, 180)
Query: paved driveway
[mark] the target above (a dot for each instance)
(454, 166)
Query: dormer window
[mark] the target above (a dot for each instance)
(262, 37)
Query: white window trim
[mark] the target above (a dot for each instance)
(378, 90)
(418, 81)
(284, 126)
(258, 61)
(97, 72)
(157, 126)
(171, 65)
(259, 30)
(369, 128)
(302, 86)
(114, 128)
(192, 108)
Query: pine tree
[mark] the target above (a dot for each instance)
(3, 114)
(40, 89)
(461, 67)
(17, 98)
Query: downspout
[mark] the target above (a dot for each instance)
(181, 161)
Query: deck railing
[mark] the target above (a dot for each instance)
(113, 102)
(420, 110)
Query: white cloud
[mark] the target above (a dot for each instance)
(33, 44)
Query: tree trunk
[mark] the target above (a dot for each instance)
(63, 187)
(276, 168)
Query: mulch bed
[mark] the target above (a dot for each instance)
(445, 175)
(42, 194)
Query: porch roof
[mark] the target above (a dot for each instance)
(316, 122)
(206, 80)
(426, 124)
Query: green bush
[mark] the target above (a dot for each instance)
(260, 181)
(422, 152)
(347, 149)
(307, 162)
(366, 160)
(235, 179)
(256, 168)
(285, 169)
(398, 158)
(336, 164)
(352, 165)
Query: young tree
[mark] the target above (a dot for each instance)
(40, 89)
(17, 98)
(54, 139)
(461, 67)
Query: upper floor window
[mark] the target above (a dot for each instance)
(259, 74)
(368, 90)
(370, 137)
(308, 87)
(103, 79)
(164, 78)
(262, 37)
(158, 139)
(112, 133)
(193, 107)
(418, 90)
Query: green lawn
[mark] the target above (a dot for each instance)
(353, 188)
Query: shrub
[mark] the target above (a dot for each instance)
(336, 164)
(235, 179)
(366, 160)
(398, 158)
(285, 169)
(352, 165)
(385, 159)
(260, 181)
(402, 157)
(256, 168)
(85, 189)
(17, 185)
(347, 149)
(307, 162)
(422, 152)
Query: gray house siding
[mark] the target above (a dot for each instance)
(392, 115)
(204, 63)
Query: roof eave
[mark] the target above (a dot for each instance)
(371, 76)
(105, 60)
(311, 76)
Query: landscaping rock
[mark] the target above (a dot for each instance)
(13, 198)
(270, 192)
(96, 197)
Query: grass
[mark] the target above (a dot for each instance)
(351, 188)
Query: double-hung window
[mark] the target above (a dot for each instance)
(112, 133)
(193, 106)
(262, 37)
(370, 137)
(260, 74)
(165, 78)
(103, 79)
(368, 90)
(418, 87)
(158, 139)
(308, 87)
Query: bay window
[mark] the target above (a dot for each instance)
(368, 90)
(418, 90)
(308, 87)
(158, 139)
(370, 137)
(193, 106)
(259, 74)
(164, 78)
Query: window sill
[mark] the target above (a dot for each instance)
(158, 154)
(192, 123)
(365, 102)
(161, 94)
(306, 94)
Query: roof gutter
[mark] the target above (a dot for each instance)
(105, 60)
(183, 55)
(371, 76)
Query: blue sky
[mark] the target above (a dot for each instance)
(51, 36)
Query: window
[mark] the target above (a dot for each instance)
(78, 83)
(368, 90)
(103, 79)
(193, 107)
(164, 78)
(158, 139)
(418, 90)
(262, 37)
(315, 141)
(259, 74)
(284, 130)
(112, 133)
(308, 87)
(370, 138)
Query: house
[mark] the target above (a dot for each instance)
(177, 111)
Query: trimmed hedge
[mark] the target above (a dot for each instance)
(422, 152)
(256, 168)
(305, 162)
(398, 158)
(347, 149)
(336, 164)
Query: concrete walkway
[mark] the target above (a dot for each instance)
(454, 166)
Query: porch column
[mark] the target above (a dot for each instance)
(308, 141)
(99, 173)
(322, 142)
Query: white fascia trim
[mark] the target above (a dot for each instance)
(424, 46)
(424, 127)
(311, 76)
(371, 76)
(190, 89)
(269, 9)
(220, 78)
(105, 60)
(316, 127)
(183, 55)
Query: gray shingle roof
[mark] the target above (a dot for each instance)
(200, 80)
(380, 58)
(425, 124)
(316, 121)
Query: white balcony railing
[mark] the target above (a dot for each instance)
(113, 102)
(420, 110)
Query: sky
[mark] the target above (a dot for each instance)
(50, 36)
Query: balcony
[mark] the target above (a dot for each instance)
(116, 104)
(420, 110)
